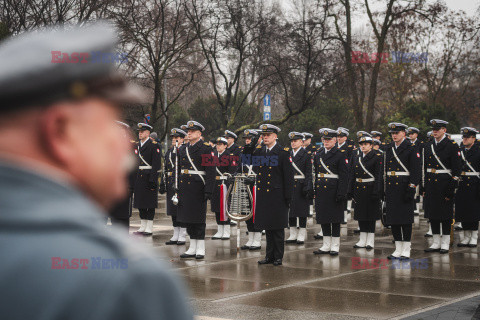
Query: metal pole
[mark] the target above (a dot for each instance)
(238, 236)
(165, 109)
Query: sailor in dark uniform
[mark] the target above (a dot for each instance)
(146, 183)
(442, 169)
(302, 189)
(307, 143)
(232, 147)
(122, 211)
(274, 188)
(225, 165)
(378, 136)
(331, 167)
(467, 200)
(366, 186)
(319, 235)
(252, 140)
(376, 145)
(179, 232)
(403, 175)
(343, 143)
(413, 133)
(310, 147)
(197, 180)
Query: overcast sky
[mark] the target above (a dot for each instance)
(469, 6)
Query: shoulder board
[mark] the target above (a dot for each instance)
(231, 154)
(259, 146)
(341, 150)
(453, 142)
(350, 145)
(383, 143)
(239, 147)
(379, 154)
(413, 144)
(286, 149)
(206, 143)
(309, 152)
(154, 142)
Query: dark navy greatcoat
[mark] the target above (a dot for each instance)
(400, 211)
(367, 195)
(274, 188)
(331, 193)
(192, 205)
(300, 205)
(437, 185)
(144, 196)
(467, 200)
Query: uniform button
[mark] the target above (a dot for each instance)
(269, 167)
(259, 173)
(259, 181)
(268, 182)
(189, 182)
(363, 187)
(268, 190)
(468, 185)
(396, 183)
(325, 187)
(269, 174)
(258, 188)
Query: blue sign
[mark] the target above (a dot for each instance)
(267, 116)
(266, 100)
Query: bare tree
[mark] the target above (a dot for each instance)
(162, 54)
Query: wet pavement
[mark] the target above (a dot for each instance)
(230, 285)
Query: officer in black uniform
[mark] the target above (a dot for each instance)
(442, 169)
(467, 200)
(413, 133)
(120, 214)
(232, 147)
(366, 186)
(403, 175)
(343, 143)
(307, 142)
(302, 188)
(252, 140)
(197, 179)
(225, 165)
(376, 145)
(146, 183)
(331, 167)
(274, 188)
(378, 136)
(319, 235)
(179, 232)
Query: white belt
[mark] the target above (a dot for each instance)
(221, 178)
(327, 175)
(144, 167)
(169, 174)
(397, 173)
(365, 180)
(202, 173)
(470, 174)
(438, 171)
(298, 177)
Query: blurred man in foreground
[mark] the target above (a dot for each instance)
(62, 166)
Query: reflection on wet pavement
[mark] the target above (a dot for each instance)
(230, 285)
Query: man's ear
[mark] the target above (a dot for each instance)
(54, 133)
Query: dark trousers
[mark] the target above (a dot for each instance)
(445, 226)
(275, 244)
(302, 222)
(147, 214)
(175, 223)
(402, 232)
(251, 226)
(196, 230)
(217, 217)
(470, 225)
(331, 229)
(367, 226)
